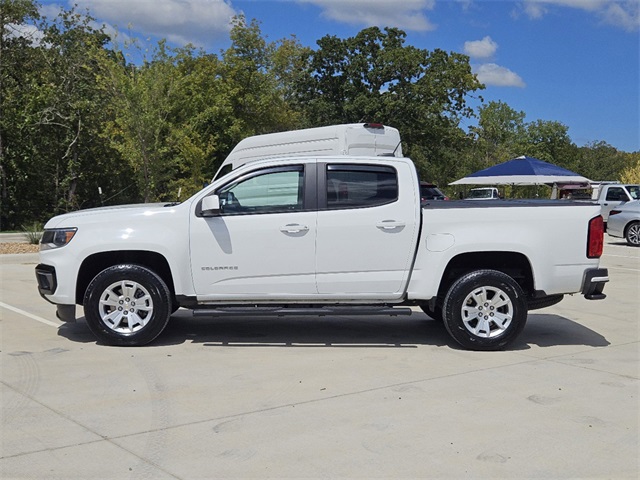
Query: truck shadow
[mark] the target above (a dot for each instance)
(543, 330)
(619, 243)
(549, 330)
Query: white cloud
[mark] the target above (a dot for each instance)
(625, 16)
(534, 10)
(484, 48)
(495, 75)
(406, 14)
(50, 10)
(179, 21)
(619, 13)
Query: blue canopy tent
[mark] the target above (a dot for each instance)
(523, 171)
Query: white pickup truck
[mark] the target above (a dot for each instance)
(327, 235)
(612, 195)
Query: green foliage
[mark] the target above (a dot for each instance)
(144, 99)
(499, 132)
(52, 118)
(631, 171)
(82, 126)
(16, 62)
(33, 232)
(374, 76)
(601, 161)
(179, 114)
(257, 76)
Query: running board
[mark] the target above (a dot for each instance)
(299, 311)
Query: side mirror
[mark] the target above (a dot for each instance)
(211, 206)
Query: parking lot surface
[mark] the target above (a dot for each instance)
(322, 397)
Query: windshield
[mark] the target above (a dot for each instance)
(634, 191)
(483, 193)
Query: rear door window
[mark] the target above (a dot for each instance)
(358, 186)
(616, 194)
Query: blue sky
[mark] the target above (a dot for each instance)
(572, 61)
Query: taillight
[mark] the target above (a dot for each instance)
(595, 237)
(614, 212)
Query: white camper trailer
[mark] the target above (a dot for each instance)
(360, 139)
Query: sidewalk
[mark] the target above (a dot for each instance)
(18, 237)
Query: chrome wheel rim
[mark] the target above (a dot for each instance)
(487, 312)
(125, 307)
(633, 234)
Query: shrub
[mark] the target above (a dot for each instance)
(33, 233)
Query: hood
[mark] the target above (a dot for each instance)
(90, 215)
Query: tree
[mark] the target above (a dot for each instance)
(600, 161)
(631, 173)
(374, 76)
(69, 110)
(499, 132)
(549, 141)
(181, 112)
(145, 98)
(258, 76)
(15, 61)
(53, 116)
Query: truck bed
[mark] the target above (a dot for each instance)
(456, 204)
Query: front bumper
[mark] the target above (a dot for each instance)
(593, 283)
(47, 285)
(47, 279)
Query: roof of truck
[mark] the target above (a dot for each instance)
(332, 139)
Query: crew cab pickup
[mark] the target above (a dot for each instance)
(328, 235)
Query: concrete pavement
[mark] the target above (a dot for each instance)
(341, 397)
(18, 237)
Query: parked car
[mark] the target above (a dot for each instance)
(429, 191)
(484, 193)
(624, 222)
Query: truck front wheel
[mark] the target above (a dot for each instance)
(485, 310)
(127, 305)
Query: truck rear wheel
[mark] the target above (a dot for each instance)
(127, 305)
(485, 310)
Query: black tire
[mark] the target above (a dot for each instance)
(543, 302)
(127, 305)
(485, 310)
(435, 313)
(632, 234)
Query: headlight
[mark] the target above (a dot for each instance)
(56, 238)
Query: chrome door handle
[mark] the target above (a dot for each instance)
(294, 228)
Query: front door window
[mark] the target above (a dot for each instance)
(271, 191)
